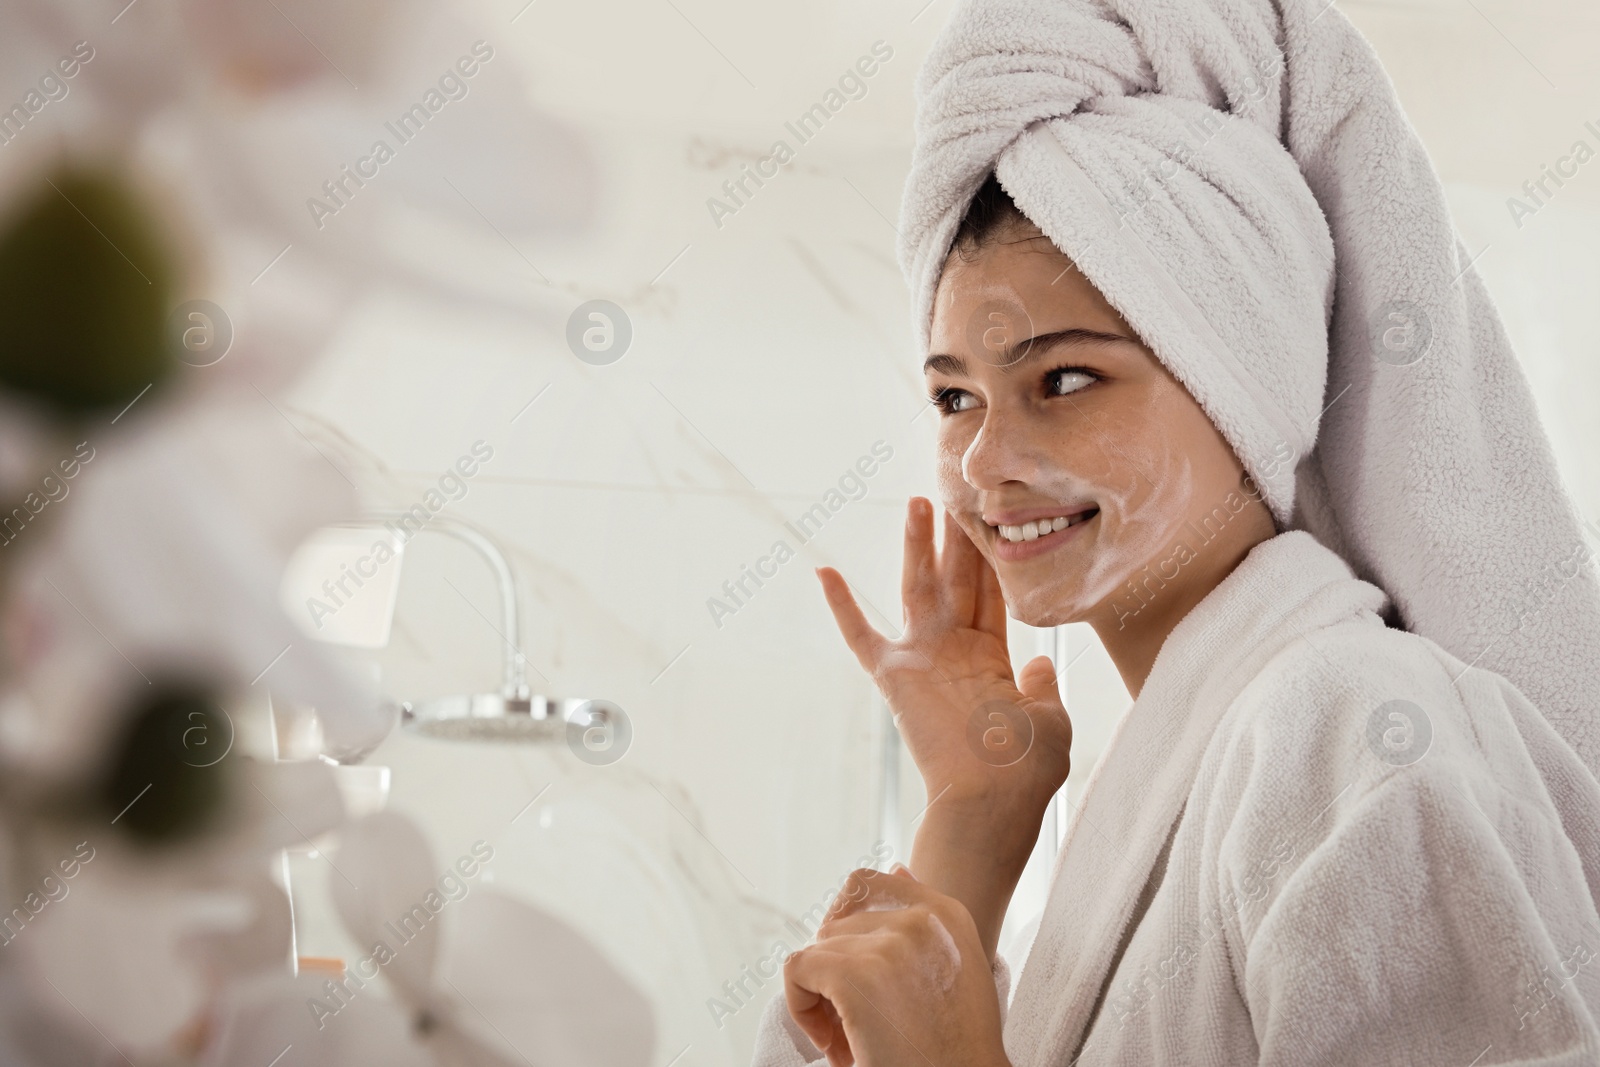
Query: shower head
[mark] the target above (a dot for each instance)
(512, 714)
(491, 717)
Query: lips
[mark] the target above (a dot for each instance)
(1032, 531)
(1025, 533)
(1043, 517)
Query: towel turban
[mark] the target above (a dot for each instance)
(1239, 181)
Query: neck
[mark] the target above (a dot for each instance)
(1134, 638)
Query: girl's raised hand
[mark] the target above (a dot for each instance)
(986, 742)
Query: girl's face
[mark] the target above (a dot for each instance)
(1086, 474)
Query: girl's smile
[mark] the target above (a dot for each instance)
(1028, 533)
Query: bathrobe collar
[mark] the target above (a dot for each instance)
(1287, 586)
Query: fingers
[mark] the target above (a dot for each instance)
(875, 974)
(866, 642)
(989, 613)
(919, 580)
(867, 889)
(805, 974)
(958, 564)
(1038, 681)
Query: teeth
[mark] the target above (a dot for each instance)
(1032, 531)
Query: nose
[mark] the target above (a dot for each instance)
(1004, 450)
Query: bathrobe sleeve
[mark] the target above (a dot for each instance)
(781, 1043)
(1429, 910)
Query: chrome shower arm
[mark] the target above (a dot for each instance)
(516, 663)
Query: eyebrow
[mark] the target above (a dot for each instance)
(1030, 347)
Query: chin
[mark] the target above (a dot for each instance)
(1042, 607)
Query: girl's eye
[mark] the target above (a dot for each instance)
(950, 401)
(1064, 380)
(1059, 382)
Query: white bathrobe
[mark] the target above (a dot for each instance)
(1274, 864)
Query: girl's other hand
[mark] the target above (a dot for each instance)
(897, 978)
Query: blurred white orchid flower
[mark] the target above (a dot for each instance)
(482, 980)
(138, 944)
(229, 115)
(238, 112)
(165, 561)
